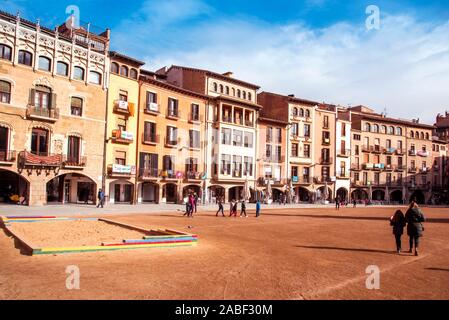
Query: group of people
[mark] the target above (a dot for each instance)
(191, 205)
(234, 208)
(413, 219)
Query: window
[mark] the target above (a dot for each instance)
(215, 87)
(326, 122)
(295, 112)
(194, 139)
(152, 102)
(133, 74)
(39, 141)
(375, 128)
(195, 112)
(244, 95)
(172, 136)
(301, 112)
(239, 93)
(225, 164)
(390, 130)
(295, 129)
(124, 71)
(306, 150)
(367, 127)
(172, 107)
(62, 69)
(268, 151)
(5, 92)
(226, 136)
(237, 138)
(73, 150)
(248, 137)
(44, 64)
(399, 131)
(279, 135)
(5, 52)
(95, 77)
(383, 129)
(227, 90)
(249, 96)
(221, 88)
(76, 106)
(233, 92)
(294, 150)
(269, 134)
(78, 73)
(149, 132)
(25, 58)
(427, 136)
(168, 164)
(114, 67)
(307, 130)
(191, 166)
(357, 137)
(237, 164)
(42, 97)
(248, 166)
(412, 134)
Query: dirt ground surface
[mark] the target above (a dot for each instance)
(73, 233)
(286, 254)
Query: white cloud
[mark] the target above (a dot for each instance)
(403, 67)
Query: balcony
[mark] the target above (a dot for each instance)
(40, 160)
(169, 143)
(412, 152)
(249, 123)
(119, 170)
(343, 175)
(326, 161)
(435, 167)
(400, 167)
(344, 153)
(295, 137)
(304, 180)
(124, 107)
(7, 157)
(413, 170)
(193, 176)
(73, 162)
(45, 114)
(378, 149)
(422, 153)
(150, 139)
(122, 137)
(356, 167)
(368, 166)
(173, 114)
(170, 175)
(274, 159)
(390, 151)
(378, 166)
(148, 173)
(195, 118)
(424, 170)
(389, 167)
(366, 148)
(399, 151)
(322, 180)
(326, 142)
(152, 108)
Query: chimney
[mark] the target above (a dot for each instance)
(291, 95)
(228, 74)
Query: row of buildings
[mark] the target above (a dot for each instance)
(76, 117)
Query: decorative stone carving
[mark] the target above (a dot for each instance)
(43, 81)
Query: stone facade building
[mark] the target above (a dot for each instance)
(52, 112)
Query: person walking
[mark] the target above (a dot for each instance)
(258, 207)
(192, 205)
(397, 221)
(220, 208)
(354, 203)
(100, 197)
(195, 201)
(414, 218)
(187, 213)
(337, 203)
(233, 208)
(243, 212)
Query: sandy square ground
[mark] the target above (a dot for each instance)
(286, 254)
(73, 233)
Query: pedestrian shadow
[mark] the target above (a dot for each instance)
(428, 220)
(349, 249)
(438, 269)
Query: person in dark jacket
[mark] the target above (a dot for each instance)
(398, 223)
(258, 207)
(243, 212)
(414, 218)
(100, 197)
(220, 208)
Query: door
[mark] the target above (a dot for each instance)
(67, 191)
(128, 193)
(117, 193)
(39, 142)
(3, 143)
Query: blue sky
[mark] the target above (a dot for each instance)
(316, 49)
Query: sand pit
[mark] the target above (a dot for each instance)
(74, 233)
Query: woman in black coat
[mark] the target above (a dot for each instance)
(398, 223)
(414, 218)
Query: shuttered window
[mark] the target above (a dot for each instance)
(5, 92)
